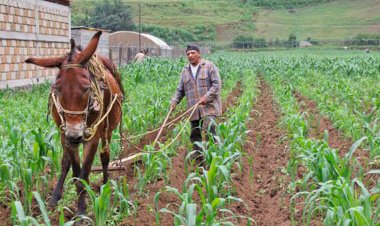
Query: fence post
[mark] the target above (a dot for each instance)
(120, 54)
(110, 53)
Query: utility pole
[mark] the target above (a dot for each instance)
(139, 26)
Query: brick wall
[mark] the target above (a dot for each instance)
(31, 28)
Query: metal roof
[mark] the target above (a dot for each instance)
(131, 38)
(61, 2)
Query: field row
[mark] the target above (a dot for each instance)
(318, 116)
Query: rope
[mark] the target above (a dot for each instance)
(58, 107)
(187, 120)
(67, 66)
(142, 152)
(163, 126)
(93, 128)
(166, 125)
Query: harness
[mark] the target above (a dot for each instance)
(99, 82)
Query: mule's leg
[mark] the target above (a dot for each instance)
(88, 157)
(75, 161)
(105, 156)
(65, 167)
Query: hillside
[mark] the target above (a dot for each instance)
(338, 19)
(334, 20)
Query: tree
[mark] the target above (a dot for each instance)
(243, 42)
(112, 15)
(292, 41)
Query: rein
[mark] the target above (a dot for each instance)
(59, 107)
(97, 74)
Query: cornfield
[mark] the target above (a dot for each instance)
(323, 182)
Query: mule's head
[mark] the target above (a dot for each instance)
(71, 89)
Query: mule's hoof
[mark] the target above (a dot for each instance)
(81, 220)
(53, 202)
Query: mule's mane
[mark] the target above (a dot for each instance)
(73, 51)
(70, 56)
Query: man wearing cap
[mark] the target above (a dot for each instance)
(200, 82)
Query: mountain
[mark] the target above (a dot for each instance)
(222, 21)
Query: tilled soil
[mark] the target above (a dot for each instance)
(145, 214)
(319, 124)
(336, 140)
(264, 193)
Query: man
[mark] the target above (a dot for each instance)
(140, 56)
(200, 82)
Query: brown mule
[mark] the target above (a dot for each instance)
(86, 106)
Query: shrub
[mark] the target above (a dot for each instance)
(198, 33)
(243, 42)
(364, 40)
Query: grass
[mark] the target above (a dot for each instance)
(184, 14)
(339, 19)
(334, 20)
(27, 145)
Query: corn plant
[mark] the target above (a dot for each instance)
(212, 183)
(19, 216)
(343, 204)
(103, 208)
(333, 192)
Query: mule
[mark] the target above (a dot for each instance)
(86, 106)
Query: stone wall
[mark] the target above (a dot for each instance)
(31, 28)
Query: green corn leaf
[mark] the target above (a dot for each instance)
(42, 208)
(354, 147)
(191, 214)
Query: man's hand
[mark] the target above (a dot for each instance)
(203, 100)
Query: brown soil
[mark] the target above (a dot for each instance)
(264, 194)
(227, 31)
(149, 138)
(318, 124)
(145, 214)
(336, 140)
(5, 213)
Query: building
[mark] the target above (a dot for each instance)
(124, 45)
(82, 36)
(31, 28)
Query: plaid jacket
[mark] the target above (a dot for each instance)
(207, 83)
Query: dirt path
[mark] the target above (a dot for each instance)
(336, 140)
(264, 195)
(319, 123)
(145, 213)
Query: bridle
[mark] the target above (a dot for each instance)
(96, 94)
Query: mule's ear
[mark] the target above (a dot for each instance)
(90, 49)
(46, 62)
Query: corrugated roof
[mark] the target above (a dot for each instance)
(158, 41)
(88, 28)
(61, 2)
(131, 38)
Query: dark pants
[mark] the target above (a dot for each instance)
(207, 124)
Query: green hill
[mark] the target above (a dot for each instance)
(270, 19)
(334, 20)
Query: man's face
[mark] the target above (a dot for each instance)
(193, 56)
